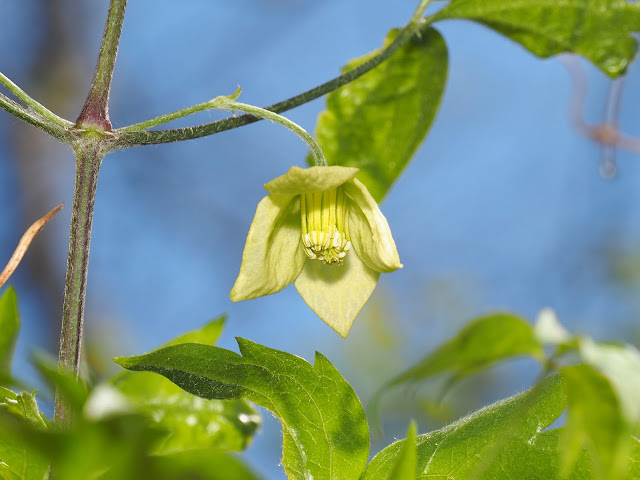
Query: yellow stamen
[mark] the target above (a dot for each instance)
(324, 226)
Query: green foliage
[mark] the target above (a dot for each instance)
(324, 427)
(599, 30)
(190, 422)
(183, 423)
(377, 122)
(503, 441)
(144, 427)
(481, 343)
(604, 406)
(596, 423)
(17, 459)
(9, 326)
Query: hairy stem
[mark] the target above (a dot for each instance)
(274, 117)
(95, 112)
(137, 138)
(88, 159)
(33, 104)
(90, 149)
(32, 118)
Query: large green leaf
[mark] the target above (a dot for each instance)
(480, 343)
(190, 422)
(9, 327)
(599, 30)
(377, 122)
(17, 459)
(324, 427)
(504, 441)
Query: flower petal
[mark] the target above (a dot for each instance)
(369, 231)
(337, 293)
(273, 255)
(305, 180)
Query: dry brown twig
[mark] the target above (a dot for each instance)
(24, 243)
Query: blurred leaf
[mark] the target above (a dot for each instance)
(115, 448)
(504, 441)
(480, 343)
(596, 422)
(405, 466)
(74, 391)
(377, 122)
(200, 465)
(190, 422)
(619, 363)
(549, 330)
(599, 30)
(9, 328)
(18, 460)
(207, 335)
(325, 434)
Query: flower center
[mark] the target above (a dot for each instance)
(325, 231)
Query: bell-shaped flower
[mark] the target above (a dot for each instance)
(321, 229)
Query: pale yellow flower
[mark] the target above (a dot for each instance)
(320, 229)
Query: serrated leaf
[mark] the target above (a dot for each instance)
(597, 423)
(479, 344)
(18, 460)
(377, 122)
(9, 328)
(406, 461)
(325, 433)
(599, 30)
(190, 422)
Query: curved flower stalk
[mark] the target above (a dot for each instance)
(320, 229)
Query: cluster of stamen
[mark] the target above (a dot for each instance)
(325, 232)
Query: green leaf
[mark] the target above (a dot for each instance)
(199, 465)
(18, 460)
(9, 327)
(599, 30)
(377, 122)
(596, 422)
(406, 466)
(482, 342)
(325, 434)
(189, 421)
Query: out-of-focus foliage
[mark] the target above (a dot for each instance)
(604, 403)
(503, 441)
(136, 425)
(9, 327)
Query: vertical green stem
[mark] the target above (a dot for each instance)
(88, 159)
(89, 150)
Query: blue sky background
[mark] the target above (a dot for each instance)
(502, 208)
